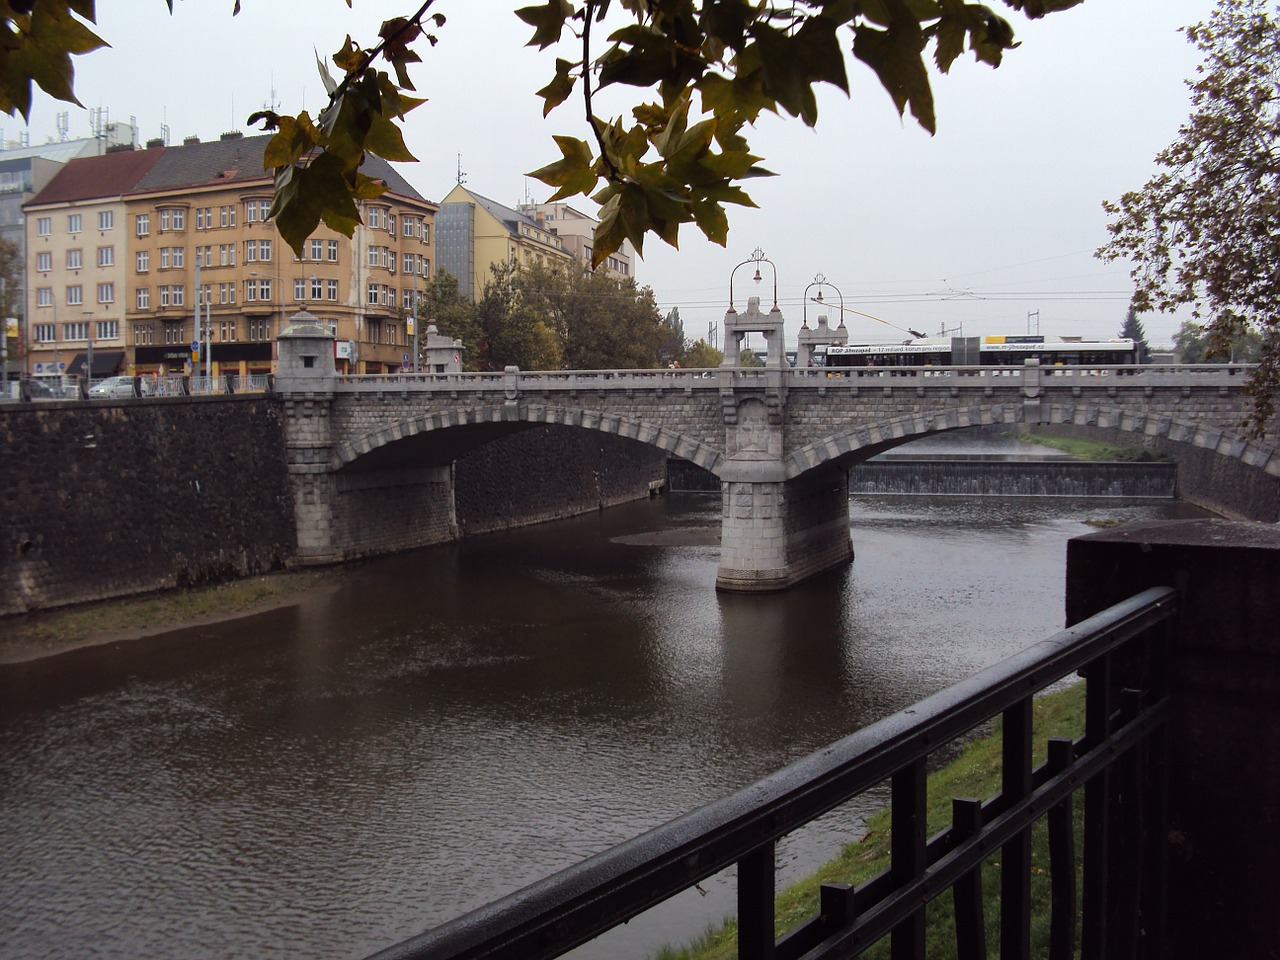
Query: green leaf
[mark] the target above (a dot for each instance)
(895, 56)
(547, 21)
(573, 174)
(558, 90)
(385, 140)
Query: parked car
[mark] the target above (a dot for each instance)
(39, 390)
(115, 387)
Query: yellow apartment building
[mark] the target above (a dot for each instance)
(474, 233)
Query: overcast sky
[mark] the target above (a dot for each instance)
(990, 225)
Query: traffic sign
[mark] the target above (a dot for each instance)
(195, 346)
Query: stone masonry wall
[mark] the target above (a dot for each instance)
(107, 499)
(549, 473)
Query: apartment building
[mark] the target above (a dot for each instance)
(577, 231)
(202, 263)
(475, 233)
(76, 252)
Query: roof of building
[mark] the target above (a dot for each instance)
(59, 151)
(237, 160)
(94, 178)
(157, 169)
(504, 213)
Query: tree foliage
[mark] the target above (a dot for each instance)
(1202, 232)
(551, 317)
(701, 354)
(709, 69)
(1194, 344)
(1132, 329)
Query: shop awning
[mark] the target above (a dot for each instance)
(106, 363)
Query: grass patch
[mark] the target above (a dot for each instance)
(78, 624)
(1093, 450)
(975, 773)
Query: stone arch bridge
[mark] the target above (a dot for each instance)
(780, 440)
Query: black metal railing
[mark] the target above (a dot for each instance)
(551, 917)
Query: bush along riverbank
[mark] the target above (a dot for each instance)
(1093, 450)
(975, 773)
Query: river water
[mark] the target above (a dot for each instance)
(448, 725)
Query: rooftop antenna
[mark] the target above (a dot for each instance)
(164, 133)
(1036, 315)
(64, 124)
(462, 177)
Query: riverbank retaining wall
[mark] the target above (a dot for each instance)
(104, 500)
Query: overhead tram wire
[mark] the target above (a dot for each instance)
(843, 309)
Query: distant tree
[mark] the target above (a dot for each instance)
(701, 354)
(512, 333)
(1194, 344)
(1202, 232)
(442, 302)
(749, 359)
(671, 346)
(1133, 330)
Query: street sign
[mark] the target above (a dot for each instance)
(406, 358)
(195, 346)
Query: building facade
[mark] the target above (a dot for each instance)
(577, 231)
(202, 280)
(475, 234)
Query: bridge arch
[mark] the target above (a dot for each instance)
(518, 416)
(1212, 458)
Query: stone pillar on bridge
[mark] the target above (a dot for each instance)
(305, 379)
(775, 532)
(737, 326)
(810, 338)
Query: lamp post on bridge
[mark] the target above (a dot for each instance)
(738, 328)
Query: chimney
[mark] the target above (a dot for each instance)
(155, 142)
(190, 141)
(231, 135)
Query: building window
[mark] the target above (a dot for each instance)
(73, 223)
(332, 286)
(44, 297)
(173, 333)
(143, 224)
(333, 251)
(142, 333)
(106, 293)
(74, 259)
(408, 226)
(44, 332)
(227, 331)
(317, 249)
(299, 288)
(227, 254)
(227, 216)
(408, 263)
(173, 219)
(44, 262)
(44, 226)
(106, 256)
(204, 294)
(144, 261)
(426, 233)
(204, 218)
(226, 293)
(107, 330)
(259, 328)
(142, 299)
(106, 219)
(75, 331)
(256, 210)
(317, 288)
(425, 269)
(373, 293)
(75, 295)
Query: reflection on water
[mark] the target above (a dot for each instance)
(451, 724)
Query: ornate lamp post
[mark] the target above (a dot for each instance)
(757, 257)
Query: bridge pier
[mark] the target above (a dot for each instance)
(776, 532)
